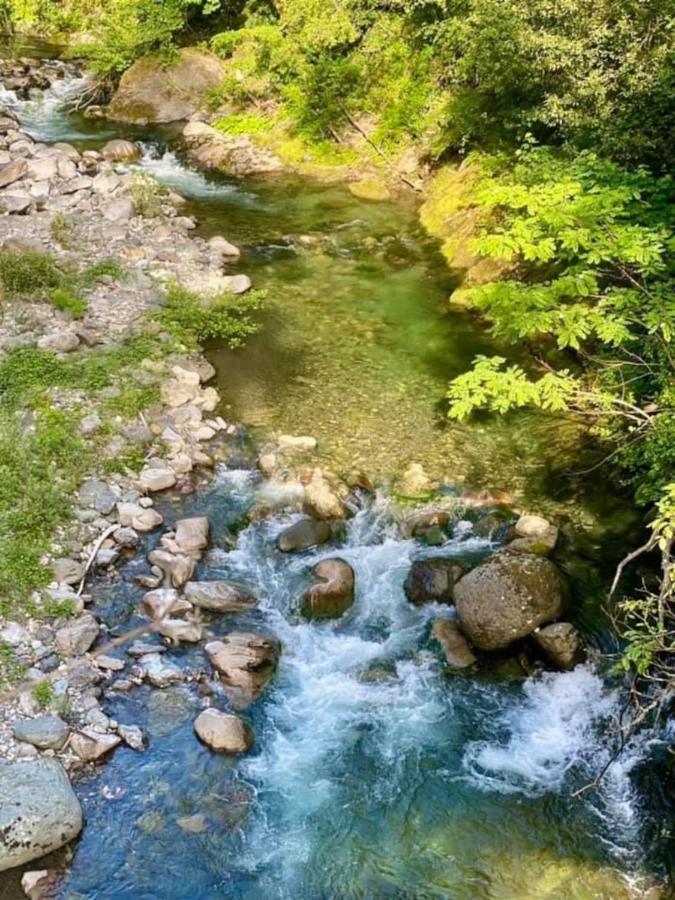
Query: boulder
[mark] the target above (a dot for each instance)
(236, 284)
(223, 732)
(534, 534)
(178, 569)
(237, 155)
(332, 592)
(13, 172)
(155, 91)
(64, 341)
(119, 211)
(506, 597)
(414, 482)
(67, 571)
(303, 534)
(178, 630)
(245, 662)
(161, 602)
(120, 150)
(160, 673)
(561, 644)
(39, 811)
(456, 649)
(156, 478)
(44, 732)
(432, 581)
(221, 596)
(97, 495)
(224, 248)
(321, 500)
(192, 535)
(77, 637)
(137, 517)
(89, 745)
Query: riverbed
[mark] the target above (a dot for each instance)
(374, 773)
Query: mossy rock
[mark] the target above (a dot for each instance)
(369, 189)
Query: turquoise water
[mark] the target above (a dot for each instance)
(374, 774)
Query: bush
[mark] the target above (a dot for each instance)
(28, 273)
(193, 319)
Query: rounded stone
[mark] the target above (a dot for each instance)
(223, 732)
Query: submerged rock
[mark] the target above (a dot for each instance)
(432, 581)
(332, 593)
(245, 662)
(458, 654)
(534, 534)
(223, 732)
(119, 150)
(303, 534)
(39, 811)
(561, 644)
(506, 597)
(221, 596)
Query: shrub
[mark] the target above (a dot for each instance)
(193, 319)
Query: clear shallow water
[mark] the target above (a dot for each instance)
(373, 774)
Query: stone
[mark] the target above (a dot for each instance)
(97, 495)
(119, 211)
(236, 284)
(165, 91)
(13, 633)
(297, 443)
(169, 709)
(40, 884)
(303, 535)
(458, 654)
(16, 202)
(106, 556)
(369, 189)
(332, 591)
(39, 812)
(233, 155)
(90, 424)
(59, 341)
(192, 534)
(132, 736)
(414, 482)
(431, 581)
(110, 663)
(179, 630)
(147, 520)
(161, 673)
(13, 172)
(534, 534)
(44, 169)
(156, 478)
(223, 732)
(78, 636)
(178, 569)
(224, 248)
(67, 571)
(105, 183)
(161, 602)
(561, 644)
(127, 538)
(506, 597)
(90, 745)
(321, 500)
(245, 662)
(119, 150)
(221, 596)
(195, 824)
(44, 732)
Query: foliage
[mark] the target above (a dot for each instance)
(61, 228)
(66, 301)
(147, 195)
(28, 273)
(44, 693)
(226, 317)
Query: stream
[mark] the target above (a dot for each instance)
(374, 774)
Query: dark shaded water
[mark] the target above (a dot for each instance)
(373, 774)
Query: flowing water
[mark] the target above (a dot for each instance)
(374, 774)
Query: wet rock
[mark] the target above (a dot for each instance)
(40, 885)
(156, 478)
(192, 535)
(432, 581)
(89, 745)
(137, 517)
(127, 538)
(481, 499)
(321, 500)
(107, 556)
(332, 593)
(224, 248)
(456, 649)
(132, 736)
(151, 822)
(237, 284)
(39, 811)
(506, 597)
(161, 602)
(418, 523)
(221, 596)
(159, 672)
(178, 630)
(152, 91)
(178, 569)
(120, 151)
(534, 534)
(77, 637)
(223, 732)
(97, 495)
(303, 534)
(414, 482)
(195, 824)
(245, 662)
(168, 709)
(561, 644)
(44, 732)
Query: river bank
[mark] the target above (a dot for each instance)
(376, 666)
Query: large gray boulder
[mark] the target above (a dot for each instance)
(303, 534)
(332, 591)
(223, 732)
(506, 597)
(151, 91)
(44, 732)
(561, 644)
(39, 811)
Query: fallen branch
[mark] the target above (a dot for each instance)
(92, 556)
(380, 152)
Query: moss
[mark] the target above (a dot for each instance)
(369, 189)
(243, 123)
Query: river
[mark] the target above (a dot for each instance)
(374, 774)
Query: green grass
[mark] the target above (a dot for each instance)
(193, 319)
(66, 301)
(43, 692)
(29, 273)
